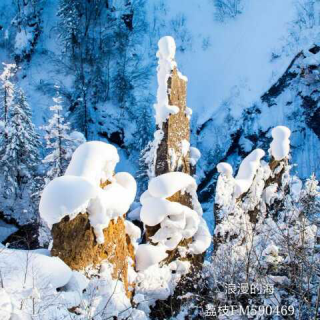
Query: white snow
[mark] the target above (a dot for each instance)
(225, 168)
(169, 183)
(154, 210)
(195, 155)
(166, 64)
(148, 255)
(185, 147)
(23, 41)
(167, 48)
(202, 239)
(134, 214)
(132, 230)
(5, 305)
(77, 283)
(111, 202)
(66, 196)
(29, 269)
(95, 161)
(80, 191)
(77, 136)
(188, 111)
(247, 171)
(177, 221)
(280, 145)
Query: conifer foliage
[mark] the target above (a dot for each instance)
(58, 141)
(19, 158)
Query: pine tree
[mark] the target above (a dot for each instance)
(19, 150)
(7, 89)
(58, 141)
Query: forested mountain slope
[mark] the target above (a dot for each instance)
(249, 70)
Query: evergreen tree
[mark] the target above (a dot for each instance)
(7, 89)
(19, 150)
(58, 141)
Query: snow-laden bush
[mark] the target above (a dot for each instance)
(266, 242)
(266, 236)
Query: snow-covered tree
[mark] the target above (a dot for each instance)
(58, 141)
(19, 159)
(266, 234)
(7, 89)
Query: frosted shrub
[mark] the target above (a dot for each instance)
(266, 234)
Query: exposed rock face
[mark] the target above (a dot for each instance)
(173, 152)
(75, 243)
(176, 129)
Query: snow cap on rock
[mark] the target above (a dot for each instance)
(225, 169)
(167, 47)
(280, 145)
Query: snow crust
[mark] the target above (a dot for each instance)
(280, 145)
(79, 190)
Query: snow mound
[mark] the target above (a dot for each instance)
(202, 239)
(167, 48)
(29, 269)
(80, 190)
(168, 184)
(66, 196)
(225, 169)
(280, 145)
(247, 171)
(177, 221)
(148, 255)
(95, 161)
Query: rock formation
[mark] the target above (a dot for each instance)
(173, 149)
(75, 243)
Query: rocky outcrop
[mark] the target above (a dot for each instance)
(75, 243)
(173, 152)
(176, 129)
